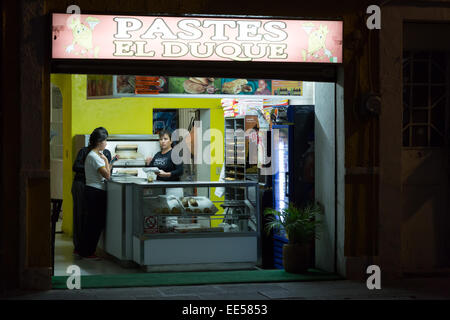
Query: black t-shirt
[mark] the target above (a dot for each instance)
(164, 162)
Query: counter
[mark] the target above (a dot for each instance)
(167, 233)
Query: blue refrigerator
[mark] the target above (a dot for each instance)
(291, 143)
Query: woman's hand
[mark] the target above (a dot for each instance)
(148, 160)
(103, 157)
(107, 165)
(163, 174)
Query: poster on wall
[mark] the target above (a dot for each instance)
(151, 85)
(165, 120)
(125, 84)
(287, 88)
(194, 85)
(246, 86)
(99, 86)
(131, 84)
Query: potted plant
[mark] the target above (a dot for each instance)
(301, 228)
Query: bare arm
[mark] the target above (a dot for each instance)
(104, 172)
(149, 162)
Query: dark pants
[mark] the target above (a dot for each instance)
(95, 220)
(79, 212)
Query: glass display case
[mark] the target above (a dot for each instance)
(174, 229)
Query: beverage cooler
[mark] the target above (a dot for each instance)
(292, 148)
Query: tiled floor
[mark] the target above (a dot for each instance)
(414, 289)
(407, 289)
(64, 258)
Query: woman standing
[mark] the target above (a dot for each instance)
(78, 185)
(168, 170)
(97, 169)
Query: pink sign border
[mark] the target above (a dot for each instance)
(92, 45)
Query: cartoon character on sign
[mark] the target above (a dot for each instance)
(82, 36)
(316, 42)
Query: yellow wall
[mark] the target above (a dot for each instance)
(64, 83)
(218, 122)
(118, 116)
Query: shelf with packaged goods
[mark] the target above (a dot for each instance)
(184, 235)
(182, 212)
(170, 205)
(235, 173)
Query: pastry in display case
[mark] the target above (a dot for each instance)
(178, 214)
(190, 214)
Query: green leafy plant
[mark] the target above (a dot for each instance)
(301, 224)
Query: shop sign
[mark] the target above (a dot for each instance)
(192, 38)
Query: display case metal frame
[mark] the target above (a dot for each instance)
(195, 250)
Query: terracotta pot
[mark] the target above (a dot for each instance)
(296, 257)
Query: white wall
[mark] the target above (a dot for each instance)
(204, 170)
(56, 143)
(308, 95)
(340, 168)
(325, 168)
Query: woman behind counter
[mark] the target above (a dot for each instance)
(168, 171)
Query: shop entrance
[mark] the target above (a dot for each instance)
(131, 115)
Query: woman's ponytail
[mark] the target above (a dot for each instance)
(98, 135)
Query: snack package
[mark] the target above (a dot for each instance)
(275, 110)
